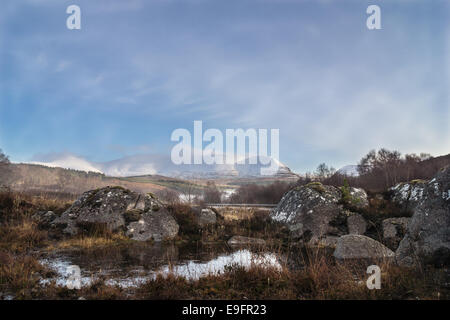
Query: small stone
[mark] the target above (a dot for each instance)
(356, 224)
(361, 247)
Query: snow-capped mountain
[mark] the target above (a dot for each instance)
(162, 165)
(349, 170)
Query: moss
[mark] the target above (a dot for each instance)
(317, 186)
(417, 181)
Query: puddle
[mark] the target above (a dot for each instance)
(132, 266)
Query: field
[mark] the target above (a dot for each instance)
(300, 273)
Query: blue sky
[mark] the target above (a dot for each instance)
(139, 69)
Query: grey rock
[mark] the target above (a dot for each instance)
(408, 195)
(239, 240)
(354, 246)
(359, 198)
(311, 212)
(394, 229)
(44, 218)
(119, 209)
(427, 239)
(206, 217)
(154, 225)
(102, 206)
(356, 224)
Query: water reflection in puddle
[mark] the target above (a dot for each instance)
(134, 265)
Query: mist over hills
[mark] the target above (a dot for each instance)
(152, 164)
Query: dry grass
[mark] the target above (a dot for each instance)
(257, 225)
(22, 236)
(20, 274)
(319, 279)
(88, 242)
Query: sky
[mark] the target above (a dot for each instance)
(137, 70)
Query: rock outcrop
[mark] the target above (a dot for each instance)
(358, 198)
(153, 225)
(408, 195)
(361, 247)
(311, 211)
(44, 218)
(428, 235)
(394, 229)
(141, 216)
(356, 224)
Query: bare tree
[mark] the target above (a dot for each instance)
(323, 171)
(169, 196)
(211, 194)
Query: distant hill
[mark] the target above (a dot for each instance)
(40, 178)
(152, 164)
(30, 177)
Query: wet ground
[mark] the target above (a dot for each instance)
(134, 264)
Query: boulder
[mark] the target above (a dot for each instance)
(44, 218)
(358, 198)
(354, 246)
(356, 224)
(119, 209)
(153, 225)
(206, 217)
(239, 240)
(394, 230)
(312, 211)
(427, 237)
(408, 195)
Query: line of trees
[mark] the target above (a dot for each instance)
(382, 169)
(253, 193)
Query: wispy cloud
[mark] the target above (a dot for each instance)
(139, 69)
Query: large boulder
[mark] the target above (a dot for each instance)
(408, 195)
(153, 225)
(354, 246)
(119, 209)
(394, 229)
(312, 211)
(428, 235)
